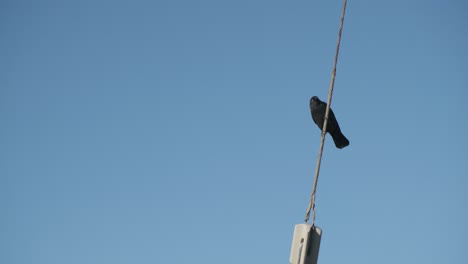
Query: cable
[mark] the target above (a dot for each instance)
(322, 142)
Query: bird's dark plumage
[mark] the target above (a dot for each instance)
(317, 109)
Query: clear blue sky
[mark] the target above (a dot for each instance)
(179, 131)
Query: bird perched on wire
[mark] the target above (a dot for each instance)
(317, 109)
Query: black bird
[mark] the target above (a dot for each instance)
(317, 109)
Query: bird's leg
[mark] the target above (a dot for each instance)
(323, 133)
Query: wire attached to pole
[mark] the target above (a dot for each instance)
(322, 142)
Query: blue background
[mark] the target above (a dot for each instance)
(179, 131)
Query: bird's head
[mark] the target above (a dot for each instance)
(314, 99)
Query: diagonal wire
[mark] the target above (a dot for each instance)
(322, 142)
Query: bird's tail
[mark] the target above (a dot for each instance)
(340, 140)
